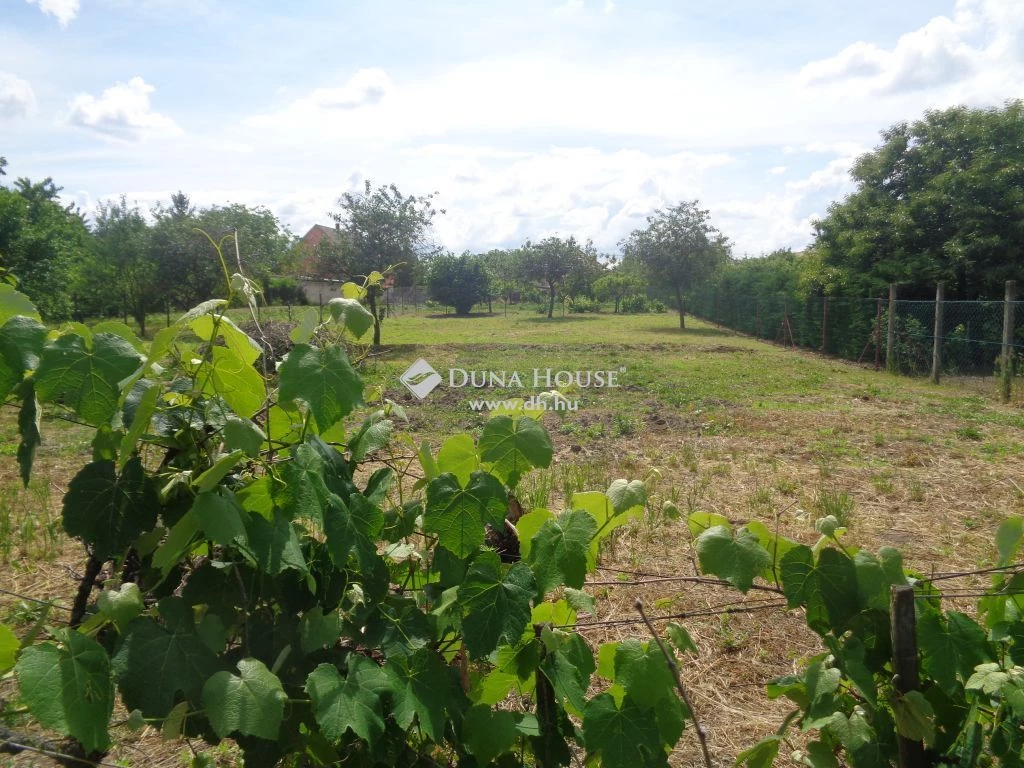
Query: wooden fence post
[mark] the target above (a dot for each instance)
(905, 666)
(824, 327)
(940, 297)
(890, 341)
(1008, 358)
(757, 319)
(878, 336)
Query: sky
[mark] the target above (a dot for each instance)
(527, 118)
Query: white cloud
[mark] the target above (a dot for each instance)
(609, 6)
(982, 38)
(365, 88)
(16, 97)
(778, 170)
(122, 113)
(64, 10)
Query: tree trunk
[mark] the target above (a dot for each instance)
(682, 309)
(371, 299)
(551, 302)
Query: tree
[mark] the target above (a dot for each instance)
(941, 198)
(549, 263)
(679, 249)
(617, 285)
(458, 281)
(504, 274)
(40, 242)
(386, 229)
(123, 262)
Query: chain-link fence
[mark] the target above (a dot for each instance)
(970, 332)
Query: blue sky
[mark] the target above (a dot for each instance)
(528, 118)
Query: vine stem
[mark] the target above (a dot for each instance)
(674, 668)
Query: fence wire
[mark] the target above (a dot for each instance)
(971, 332)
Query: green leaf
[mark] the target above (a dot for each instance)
(822, 683)
(915, 718)
(873, 586)
(569, 669)
(209, 479)
(374, 434)
(497, 607)
(641, 668)
(109, 511)
(828, 589)
(318, 630)
(251, 703)
(852, 732)
(951, 644)
(623, 737)
(351, 702)
(514, 446)
(220, 516)
(356, 318)
(458, 456)
(117, 328)
(324, 380)
(681, 638)
(13, 303)
(528, 526)
(28, 428)
(303, 492)
(244, 435)
(8, 648)
(1009, 536)
(68, 688)
(627, 495)
(458, 515)
(761, 755)
(86, 373)
(185, 662)
(735, 559)
(21, 344)
(240, 343)
(121, 605)
(558, 551)
(698, 522)
(140, 424)
(308, 321)
(488, 733)
(275, 544)
(420, 691)
(230, 377)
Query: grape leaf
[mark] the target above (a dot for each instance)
(735, 559)
(514, 447)
(356, 318)
(109, 511)
(86, 373)
(220, 516)
(231, 378)
(341, 703)
(8, 648)
(251, 703)
(497, 607)
(458, 456)
(154, 661)
(318, 629)
(21, 343)
(324, 380)
(761, 755)
(14, 303)
(626, 495)
(242, 434)
(420, 690)
(642, 670)
(558, 551)
(569, 669)
(457, 515)
(623, 737)
(68, 687)
(240, 343)
(488, 733)
(275, 544)
(121, 605)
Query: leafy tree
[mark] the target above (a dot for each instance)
(458, 281)
(40, 241)
(123, 260)
(504, 274)
(587, 269)
(678, 249)
(941, 198)
(617, 285)
(549, 263)
(263, 242)
(386, 229)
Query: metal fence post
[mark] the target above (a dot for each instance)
(890, 341)
(940, 296)
(1007, 359)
